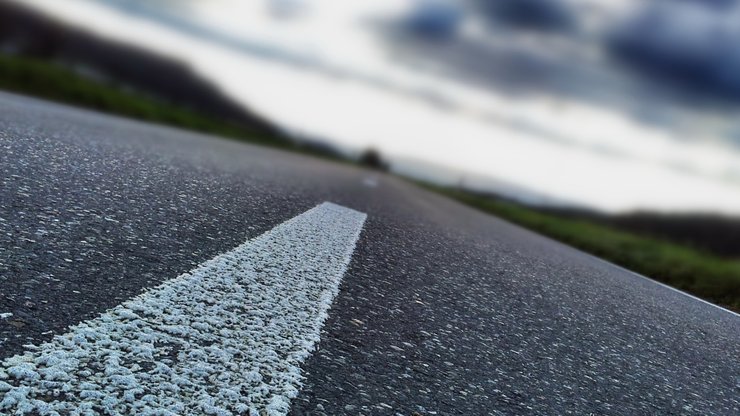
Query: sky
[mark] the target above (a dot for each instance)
(569, 102)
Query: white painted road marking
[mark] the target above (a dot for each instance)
(370, 181)
(226, 338)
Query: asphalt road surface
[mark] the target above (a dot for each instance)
(436, 309)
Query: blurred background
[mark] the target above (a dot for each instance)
(621, 113)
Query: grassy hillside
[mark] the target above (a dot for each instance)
(710, 233)
(44, 79)
(704, 275)
(47, 80)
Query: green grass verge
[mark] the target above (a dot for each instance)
(47, 80)
(708, 277)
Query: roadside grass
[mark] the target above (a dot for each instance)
(703, 275)
(54, 82)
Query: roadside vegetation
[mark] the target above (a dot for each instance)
(699, 273)
(47, 80)
(372, 159)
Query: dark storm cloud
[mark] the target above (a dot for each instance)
(434, 18)
(694, 43)
(540, 15)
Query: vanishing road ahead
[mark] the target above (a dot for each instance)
(435, 309)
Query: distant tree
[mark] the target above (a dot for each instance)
(372, 159)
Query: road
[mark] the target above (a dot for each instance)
(440, 310)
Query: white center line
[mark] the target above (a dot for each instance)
(226, 338)
(370, 181)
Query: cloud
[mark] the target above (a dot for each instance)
(288, 9)
(539, 15)
(689, 41)
(434, 18)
